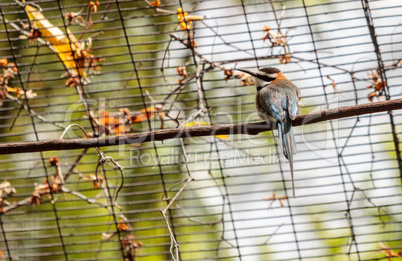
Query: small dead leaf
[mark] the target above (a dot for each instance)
(228, 73)
(3, 93)
(49, 186)
(125, 111)
(54, 161)
(20, 93)
(29, 94)
(275, 197)
(246, 79)
(3, 62)
(35, 200)
(17, 91)
(96, 181)
(143, 114)
(129, 242)
(180, 14)
(155, 3)
(69, 16)
(380, 85)
(75, 17)
(267, 36)
(55, 185)
(94, 6)
(389, 253)
(108, 236)
(181, 70)
(186, 20)
(278, 39)
(377, 83)
(33, 35)
(285, 59)
(333, 84)
(6, 190)
(110, 124)
(118, 127)
(72, 82)
(40, 190)
(372, 95)
(122, 226)
(58, 177)
(13, 67)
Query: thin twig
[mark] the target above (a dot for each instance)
(82, 196)
(273, 234)
(174, 244)
(198, 76)
(174, 248)
(32, 112)
(223, 40)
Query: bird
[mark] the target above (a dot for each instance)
(277, 100)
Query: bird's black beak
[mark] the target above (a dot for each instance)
(248, 72)
(252, 74)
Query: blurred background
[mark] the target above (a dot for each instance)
(150, 56)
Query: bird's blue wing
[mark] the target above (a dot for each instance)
(293, 102)
(273, 100)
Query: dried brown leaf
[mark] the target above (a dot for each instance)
(3, 62)
(156, 3)
(94, 6)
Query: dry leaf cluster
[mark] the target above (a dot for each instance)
(278, 39)
(9, 71)
(120, 123)
(275, 197)
(6, 190)
(187, 23)
(389, 253)
(130, 245)
(245, 79)
(377, 83)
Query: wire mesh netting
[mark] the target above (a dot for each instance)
(118, 67)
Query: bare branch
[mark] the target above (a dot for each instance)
(228, 129)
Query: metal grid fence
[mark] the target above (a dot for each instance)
(221, 197)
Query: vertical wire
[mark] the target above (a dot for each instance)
(232, 219)
(277, 149)
(348, 203)
(215, 144)
(145, 107)
(5, 238)
(249, 33)
(36, 136)
(208, 108)
(370, 24)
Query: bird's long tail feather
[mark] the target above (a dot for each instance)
(287, 143)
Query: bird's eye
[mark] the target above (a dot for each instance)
(259, 88)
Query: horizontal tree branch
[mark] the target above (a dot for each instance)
(229, 129)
